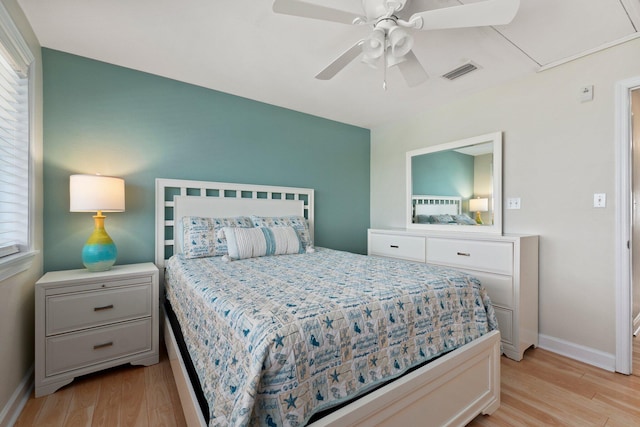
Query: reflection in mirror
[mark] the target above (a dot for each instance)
(456, 184)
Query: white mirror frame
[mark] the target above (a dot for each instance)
(496, 227)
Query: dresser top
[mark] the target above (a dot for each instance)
(451, 234)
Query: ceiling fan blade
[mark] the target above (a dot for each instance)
(412, 71)
(488, 12)
(342, 61)
(314, 11)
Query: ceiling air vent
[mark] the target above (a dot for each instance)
(460, 71)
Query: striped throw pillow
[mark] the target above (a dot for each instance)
(261, 241)
(299, 223)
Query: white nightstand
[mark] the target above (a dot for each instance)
(87, 321)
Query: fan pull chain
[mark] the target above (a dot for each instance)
(384, 66)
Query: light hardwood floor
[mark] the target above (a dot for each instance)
(126, 396)
(636, 356)
(547, 389)
(542, 389)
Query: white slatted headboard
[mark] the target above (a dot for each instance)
(437, 205)
(218, 199)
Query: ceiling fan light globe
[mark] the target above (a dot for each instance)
(395, 60)
(370, 61)
(374, 45)
(372, 49)
(401, 42)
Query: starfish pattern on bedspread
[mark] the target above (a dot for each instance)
(297, 334)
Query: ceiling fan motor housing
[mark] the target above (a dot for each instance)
(376, 9)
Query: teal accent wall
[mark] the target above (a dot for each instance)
(445, 173)
(101, 118)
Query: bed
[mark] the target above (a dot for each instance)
(285, 386)
(429, 209)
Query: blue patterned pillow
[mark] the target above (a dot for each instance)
(299, 223)
(423, 219)
(261, 241)
(442, 219)
(200, 235)
(464, 219)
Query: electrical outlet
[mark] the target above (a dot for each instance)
(513, 203)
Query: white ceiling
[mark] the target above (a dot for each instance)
(241, 47)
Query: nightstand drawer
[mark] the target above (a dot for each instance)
(69, 312)
(494, 257)
(405, 247)
(80, 349)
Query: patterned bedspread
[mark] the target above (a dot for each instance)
(276, 339)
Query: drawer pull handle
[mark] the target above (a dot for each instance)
(395, 246)
(105, 345)
(106, 307)
(464, 254)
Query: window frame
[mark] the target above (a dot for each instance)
(19, 55)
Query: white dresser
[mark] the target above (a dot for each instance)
(88, 321)
(507, 266)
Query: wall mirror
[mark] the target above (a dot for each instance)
(456, 186)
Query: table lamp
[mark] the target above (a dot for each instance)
(479, 205)
(97, 193)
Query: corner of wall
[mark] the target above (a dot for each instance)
(11, 411)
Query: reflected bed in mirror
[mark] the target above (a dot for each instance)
(456, 186)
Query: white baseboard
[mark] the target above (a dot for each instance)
(578, 352)
(636, 325)
(11, 411)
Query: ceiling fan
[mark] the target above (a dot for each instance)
(389, 42)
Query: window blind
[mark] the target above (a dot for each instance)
(14, 154)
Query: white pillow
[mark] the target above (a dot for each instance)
(261, 241)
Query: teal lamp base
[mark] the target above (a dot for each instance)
(99, 257)
(99, 253)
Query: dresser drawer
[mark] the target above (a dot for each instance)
(494, 257)
(405, 247)
(80, 349)
(505, 324)
(499, 287)
(81, 310)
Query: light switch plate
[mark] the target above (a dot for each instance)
(600, 200)
(586, 93)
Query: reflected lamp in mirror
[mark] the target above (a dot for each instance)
(478, 205)
(97, 193)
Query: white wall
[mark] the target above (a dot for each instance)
(635, 111)
(17, 293)
(557, 153)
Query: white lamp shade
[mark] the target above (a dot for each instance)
(92, 193)
(479, 205)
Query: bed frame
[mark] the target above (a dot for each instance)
(449, 391)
